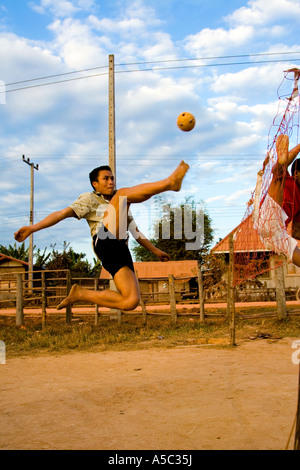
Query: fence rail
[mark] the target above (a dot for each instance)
(47, 288)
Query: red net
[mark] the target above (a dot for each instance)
(265, 229)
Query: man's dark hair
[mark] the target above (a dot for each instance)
(94, 174)
(296, 166)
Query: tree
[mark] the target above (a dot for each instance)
(17, 252)
(184, 231)
(69, 259)
(40, 258)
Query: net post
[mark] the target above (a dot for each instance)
(231, 291)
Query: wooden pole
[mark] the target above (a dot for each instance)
(19, 301)
(112, 144)
(96, 305)
(297, 432)
(280, 291)
(32, 168)
(201, 295)
(172, 298)
(69, 307)
(111, 120)
(43, 300)
(142, 303)
(115, 311)
(144, 311)
(231, 290)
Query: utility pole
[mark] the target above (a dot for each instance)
(111, 120)
(112, 146)
(32, 168)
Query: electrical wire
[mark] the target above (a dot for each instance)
(150, 69)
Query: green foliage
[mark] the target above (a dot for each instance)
(40, 258)
(69, 259)
(16, 251)
(55, 260)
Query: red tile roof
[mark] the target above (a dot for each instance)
(246, 239)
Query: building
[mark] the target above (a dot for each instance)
(8, 268)
(154, 279)
(247, 241)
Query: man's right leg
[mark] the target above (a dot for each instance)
(127, 296)
(119, 204)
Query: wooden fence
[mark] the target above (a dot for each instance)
(45, 290)
(48, 288)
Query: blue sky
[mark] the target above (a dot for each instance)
(231, 89)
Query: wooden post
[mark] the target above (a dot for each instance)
(142, 303)
(201, 295)
(33, 167)
(19, 301)
(297, 432)
(280, 292)
(231, 290)
(69, 307)
(111, 116)
(144, 311)
(43, 300)
(115, 311)
(172, 298)
(96, 305)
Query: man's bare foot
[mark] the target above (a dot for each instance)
(73, 296)
(282, 147)
(177, 176)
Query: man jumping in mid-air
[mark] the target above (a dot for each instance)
(281, 205)
(105, 211)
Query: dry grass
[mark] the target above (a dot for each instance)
(82, 335)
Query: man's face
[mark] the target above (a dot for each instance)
(105, 183)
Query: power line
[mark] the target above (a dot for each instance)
(150, 69)
(46, 77)
(210, 58)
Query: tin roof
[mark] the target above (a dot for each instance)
(9, 258)
(161, 270)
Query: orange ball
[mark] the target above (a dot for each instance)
(186, 122)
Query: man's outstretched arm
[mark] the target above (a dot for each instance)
(51, 219)
(143, 241)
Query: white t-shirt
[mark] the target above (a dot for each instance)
(92, 207)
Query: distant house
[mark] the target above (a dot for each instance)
(8, 267)
(154, 279)
(247, 240)
(11, 265)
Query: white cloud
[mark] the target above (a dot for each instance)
(262, 12)
(209, 42)
(62, 8)
(64, 127)
(25, 58)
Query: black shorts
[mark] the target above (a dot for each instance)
(113, 253)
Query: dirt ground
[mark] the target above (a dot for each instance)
(188, 398)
